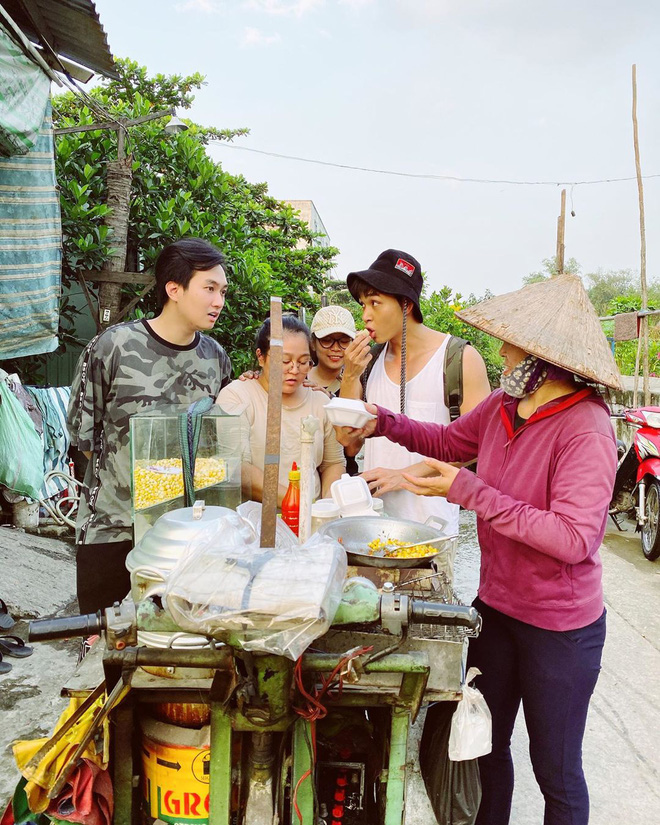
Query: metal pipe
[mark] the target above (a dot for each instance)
(423, 612)
(221, 658)
(42, 630)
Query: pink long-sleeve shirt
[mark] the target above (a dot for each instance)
(541, 495)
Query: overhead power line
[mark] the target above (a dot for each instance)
(429, 176)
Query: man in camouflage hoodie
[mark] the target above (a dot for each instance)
(135, 367)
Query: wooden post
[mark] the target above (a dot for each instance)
(644, 330)
(273, 426)
(561, 227)
(119, 178)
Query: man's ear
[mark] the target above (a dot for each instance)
(173, 290)
(260, 358)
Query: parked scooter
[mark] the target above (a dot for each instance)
(637, 485)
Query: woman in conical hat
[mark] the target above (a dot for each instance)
(547, 460)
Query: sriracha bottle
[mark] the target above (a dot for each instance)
(291, 500)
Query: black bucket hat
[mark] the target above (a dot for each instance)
(393, 273)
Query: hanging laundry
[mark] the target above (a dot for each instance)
(52, 403)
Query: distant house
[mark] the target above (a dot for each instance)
(308, 214)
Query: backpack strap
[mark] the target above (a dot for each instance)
(376, 351)
(453, 376)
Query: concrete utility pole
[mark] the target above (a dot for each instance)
(119, 179)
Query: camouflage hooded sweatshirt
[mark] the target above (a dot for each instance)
(125, 370)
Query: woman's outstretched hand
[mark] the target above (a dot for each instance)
(436, 485)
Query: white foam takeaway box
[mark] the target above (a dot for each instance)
(353, 497)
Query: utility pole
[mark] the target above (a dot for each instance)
(119, 179)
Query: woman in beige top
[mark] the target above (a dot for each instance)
(251, 399)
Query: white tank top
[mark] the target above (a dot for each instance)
(424, 402)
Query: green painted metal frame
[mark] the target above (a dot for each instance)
(303, 762)
(220, 766)
(396, 770)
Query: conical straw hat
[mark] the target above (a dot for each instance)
(554, 320)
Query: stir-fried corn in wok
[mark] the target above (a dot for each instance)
(389, 546)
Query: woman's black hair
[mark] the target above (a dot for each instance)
(290, 323)
(180, 259)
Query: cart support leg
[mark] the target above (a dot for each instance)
(220, 766)
(396, 772)
(122, 753)
(302, 790)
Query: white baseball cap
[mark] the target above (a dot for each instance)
(332, 319)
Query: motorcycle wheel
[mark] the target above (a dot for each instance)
(651, 528)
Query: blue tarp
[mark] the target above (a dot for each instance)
(30, 250)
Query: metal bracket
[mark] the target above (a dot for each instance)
(121, 625)
(394, 612)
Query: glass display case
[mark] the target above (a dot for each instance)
(159, 441)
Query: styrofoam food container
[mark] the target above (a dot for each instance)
(352, 495)
(347, 412)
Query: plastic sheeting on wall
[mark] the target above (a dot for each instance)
(24, 94)
(30, 250)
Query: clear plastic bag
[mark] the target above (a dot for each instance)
(271, 600)
(471, 724)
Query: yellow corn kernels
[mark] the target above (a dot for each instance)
(390, 545)
(158, 481)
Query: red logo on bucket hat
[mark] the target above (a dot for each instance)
(405, 266)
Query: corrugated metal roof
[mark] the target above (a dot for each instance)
(71, 27)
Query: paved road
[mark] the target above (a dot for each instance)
(623, 730)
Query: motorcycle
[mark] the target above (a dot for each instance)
(636, 491)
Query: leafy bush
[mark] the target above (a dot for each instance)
(177, 191)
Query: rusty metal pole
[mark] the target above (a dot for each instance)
(119, 178)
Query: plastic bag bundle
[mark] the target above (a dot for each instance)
(21, 448)
(271, 600)
(471, 724)
(454, 788)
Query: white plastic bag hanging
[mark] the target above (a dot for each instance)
(471, 724)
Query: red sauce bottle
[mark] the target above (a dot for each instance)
(291, 500)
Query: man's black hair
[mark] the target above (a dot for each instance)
(364, 290)
(178, 261)
(290, 323)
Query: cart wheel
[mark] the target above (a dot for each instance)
(651, 528)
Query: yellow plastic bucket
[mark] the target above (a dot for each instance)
(175, 773)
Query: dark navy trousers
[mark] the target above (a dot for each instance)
(553, 675)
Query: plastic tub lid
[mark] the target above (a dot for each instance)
(352, 495)
(325, 508)
(378, 504)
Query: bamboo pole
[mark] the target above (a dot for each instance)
(644, 331)
(273, 425)
(561, 228)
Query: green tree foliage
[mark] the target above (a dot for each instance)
(549, 268)
(439, 310)
(179, 191)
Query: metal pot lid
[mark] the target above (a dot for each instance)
(163, 545)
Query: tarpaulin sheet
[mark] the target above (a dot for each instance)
(24, 91)
(30, 250)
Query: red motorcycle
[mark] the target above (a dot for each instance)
(637, 485)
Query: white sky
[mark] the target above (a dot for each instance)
(525, 90)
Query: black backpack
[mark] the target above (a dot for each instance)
(452, 371)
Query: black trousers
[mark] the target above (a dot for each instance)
(552, 674)
(101, 575)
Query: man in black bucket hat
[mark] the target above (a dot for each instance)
(430, 375)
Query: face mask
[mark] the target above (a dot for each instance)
(525, 377)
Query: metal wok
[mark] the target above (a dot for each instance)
(355, 533)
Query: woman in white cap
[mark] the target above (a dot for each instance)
(547, 461)
(333, 329)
